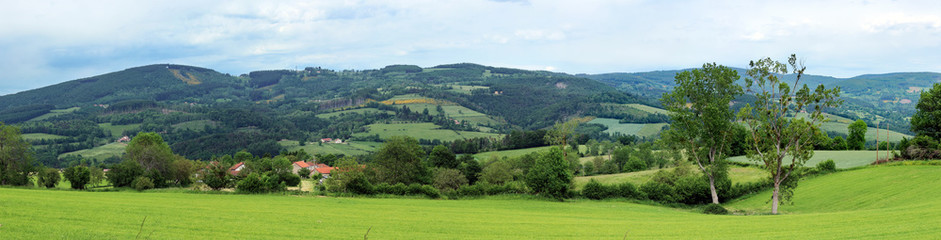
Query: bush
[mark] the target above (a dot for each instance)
(595, 190)
(78, 176)
(251, 184)
(716, 209)
(49, 177)
(447, 179)
(292, 180)
(658, 191)
(303, 173)
(360, 185)
(628, 190)
(124, 173)
(692, 190)
(430, 192)
(142, 183)
(550, 176)
(826, 166)
(635, 164)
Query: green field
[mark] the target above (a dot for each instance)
(843, 159)
(870, 132)
(54, 113)
(485, 156)
(100, 152)
(349, 148)
(117, 131)
(638, 129)
(358, 110)
(872, 203)
(421, 131)
(649, 109)
(40, 136)
(197, 125)
(736, 174)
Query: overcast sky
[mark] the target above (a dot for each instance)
(47, 42)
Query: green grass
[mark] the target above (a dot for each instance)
(897, 189)
(54, 113)
(870, 132)
(649, 109)
(638, 129)
(196, 125)
(100, 152)
(873, 203)
(843, 159)
(350, 148)
(117, 131)
(736, 174)
(358, 110)
(421, 131)
(485, 156)
(40, 136)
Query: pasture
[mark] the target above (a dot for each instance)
(100, 152)
(428, 131)
(350, 148)
(117, 131)
(358, 111)
(637, 129)
(54, 113)
(486, 156)
(736, 174)
(41, 136)
(873, 203)
(843, 159)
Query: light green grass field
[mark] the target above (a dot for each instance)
(54, 113)
(421, 131)
(485, 156)
(359, 110)
(875, 203)
(736, 174)
(843, 159)
(100, 152)
(194, 125)
(648, 109)
(350, 148)
(118, 130)
(638, 129)
(870, 132)
(40, 136)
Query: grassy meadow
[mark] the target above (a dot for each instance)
(100, 152)
(485, 156)
(54, 113)
(420, 130)
(736, 174)
(871, 203)
(349, 148)
(843, 159)
(118, 130)
(637, 129)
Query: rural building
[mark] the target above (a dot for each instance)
(323, 170)
(124, 139)
(301, 164)
(237, 168)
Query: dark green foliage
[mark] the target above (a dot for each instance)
(291, 180)
(304, 172)
(216, 176)
(447, 179)
(550, 176)
(123, 173)
(658, 191)
(442, 157)
(252, 183)
(857, 135)
(927, 118)
(400, 161)
(826, 166)
(16, 157)
(692, 190)
(497, 172)
(594, 190)
(360, 185)
(24, 113)
(838, 144)
(142, 183)
(635, 164)
(267, 78)
(470, 168)
(715, 209)
(78, 176)
(401, 68)
(49, 177)
(628, 190)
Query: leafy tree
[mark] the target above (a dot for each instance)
(97, 175)
(551, 175)
(927, 118)
(399, 161)
(703, 122)
(856, 140)
(216, 177)
(497, 172)
(142, 183)
(153, 154)
(447, 179)
(347, 175)
(125, 172)
(303, 173)
(561, 134)
(16, 158)
(838, 143)
(780, 143)
(78, 176)
(181, 171)
(442, 157)
(470, 168)
(49, 177)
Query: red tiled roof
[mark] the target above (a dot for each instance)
(321, 165)
(233, 171)
(324, 170)
(302, 164)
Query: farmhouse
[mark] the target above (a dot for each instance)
(297, 166)
(323, 170)
(331, 140)
(124, 139)
(237, 168)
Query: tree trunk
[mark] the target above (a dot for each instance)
(712, 189)
(775, 198)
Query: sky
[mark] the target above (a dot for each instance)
(48, 42)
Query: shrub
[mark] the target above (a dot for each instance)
(595, 190)
(658, 191)
(251, 184)
(49, 177)
(628, 190)
(291, 179)
(447, 179)
(303, 173)
(634, 164)
(142, 183)
(826, 166)
(692, 190)
(413, 189)
(550, 176)
(78, 176)
(360, 185)
(713, 208)
(430, 192)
